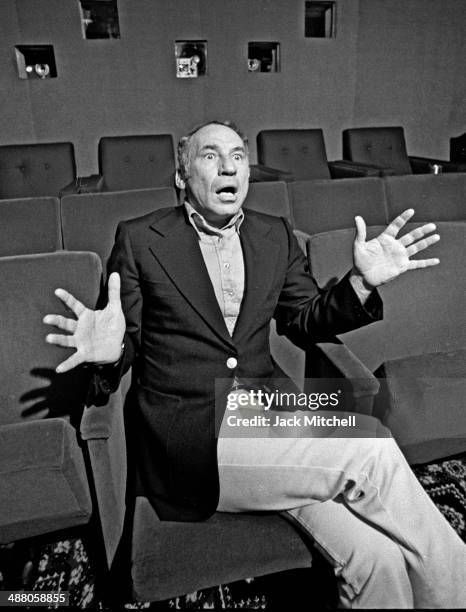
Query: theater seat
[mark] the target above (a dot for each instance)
(419, 346)
(300, 154)
(136, 162)
(385, 147)
(270, 198)
(324, 205)
(43, 485)
(423, 309)
(434, 198)
(89, 221)
(36, 170)
(422, 402)
(29, 225)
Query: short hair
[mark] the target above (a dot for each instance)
(184, 142)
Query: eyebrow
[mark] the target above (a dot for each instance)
(216, 148)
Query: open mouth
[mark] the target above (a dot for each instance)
(227, 193)
(231, 189)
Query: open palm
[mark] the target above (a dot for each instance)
(385, 257)
(95, 334)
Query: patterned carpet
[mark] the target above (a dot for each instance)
(67, 564)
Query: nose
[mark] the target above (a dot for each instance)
(227, 166)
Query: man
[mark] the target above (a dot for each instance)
(199, 286)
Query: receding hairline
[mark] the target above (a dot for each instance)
(228, 124)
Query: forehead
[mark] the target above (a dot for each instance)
(219, 136)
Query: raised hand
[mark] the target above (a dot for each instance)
(96, 335)
(382, 259)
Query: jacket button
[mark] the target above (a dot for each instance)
(232, 362)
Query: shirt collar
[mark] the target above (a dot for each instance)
(202, 226)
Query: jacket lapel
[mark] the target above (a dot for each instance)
(181, 258)
(260, 254)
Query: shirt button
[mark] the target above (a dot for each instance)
(226, 265)
(232, 362)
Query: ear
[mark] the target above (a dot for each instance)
(179, 182)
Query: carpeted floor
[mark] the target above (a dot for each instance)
(66, 565)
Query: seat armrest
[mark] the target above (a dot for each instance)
(303, 240)
(69, 189)
(343, 168)
(423, 165)
(101, 422)
(266, 173)
(102, 427)
(383, 170)
(364, 386)
(91, 183)
(84, 184)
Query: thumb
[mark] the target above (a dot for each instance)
(360, 229)
(114, 284)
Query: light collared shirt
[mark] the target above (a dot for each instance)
(223, 257)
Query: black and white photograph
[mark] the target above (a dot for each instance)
(232, 318)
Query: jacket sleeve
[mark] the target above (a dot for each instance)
(307, 314)
(105, 379)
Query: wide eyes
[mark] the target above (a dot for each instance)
(211, 155)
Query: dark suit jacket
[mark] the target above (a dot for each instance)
(178, 344)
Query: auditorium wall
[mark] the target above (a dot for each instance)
(392, 62)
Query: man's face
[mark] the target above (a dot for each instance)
(218, 174)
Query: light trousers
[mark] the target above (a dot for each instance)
(363, 506)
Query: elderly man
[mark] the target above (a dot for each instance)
(199, 286)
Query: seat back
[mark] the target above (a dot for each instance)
(137, 162)
(423, 309)
(30, 225)
(29, 387)
(301, 152)
(382, 146)
(89, 221)
(43, 486)
(270, 198)
(434, 197)
(320, 206)
(35, 170)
